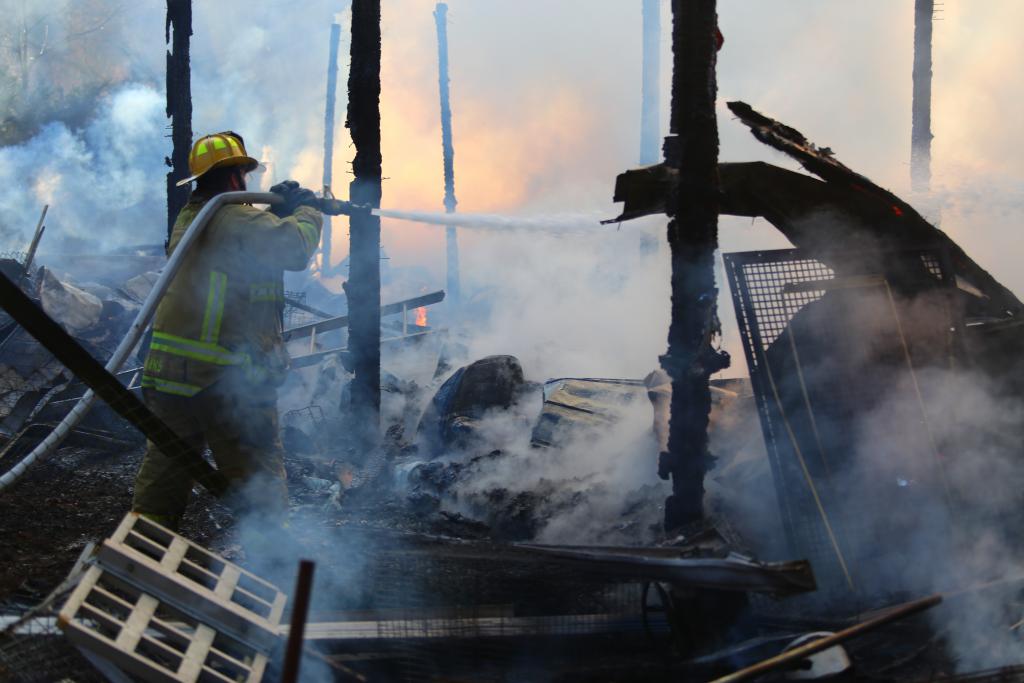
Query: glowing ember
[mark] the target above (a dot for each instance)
(421, 316)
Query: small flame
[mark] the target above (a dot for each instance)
(421, 316)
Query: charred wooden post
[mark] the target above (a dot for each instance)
(650, 121)
(693, 237)
(448, 149)
(363, 286)
(921, 116)
(332, 91)
(178, 32)
(327, 240)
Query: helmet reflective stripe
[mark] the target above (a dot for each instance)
(218, 143)
(234, 145)
(201, 149)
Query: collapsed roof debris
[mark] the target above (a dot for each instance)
(842, 213)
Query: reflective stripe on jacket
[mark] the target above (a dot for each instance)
(224, 306)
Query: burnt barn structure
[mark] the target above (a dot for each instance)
(859, 341)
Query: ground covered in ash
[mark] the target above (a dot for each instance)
(78, 496)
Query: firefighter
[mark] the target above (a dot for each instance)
(217, 355)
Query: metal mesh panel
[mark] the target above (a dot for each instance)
(804, 333)
(773, 306)
(33, 649)
(441, 616)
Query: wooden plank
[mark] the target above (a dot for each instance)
(228, 581)
(121, 651)
(225, 567)
(195, 656)
(125, 527)
(277, 609)
(78, 596)
(175, 554)
(258, 667)
(83, 637)
(191, 598)
(124, 661)
(342, 320)
(137, 622)
(314, 358)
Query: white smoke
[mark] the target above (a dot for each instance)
(967, 539)
(597, 485)
(104, 184)
(583, 306)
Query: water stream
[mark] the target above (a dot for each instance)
(559, 223)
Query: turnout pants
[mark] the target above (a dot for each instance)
(239, 424)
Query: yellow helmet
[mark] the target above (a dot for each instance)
(216, 151)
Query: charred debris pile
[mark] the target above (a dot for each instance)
(501, 514)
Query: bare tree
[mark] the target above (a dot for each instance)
(54, 58)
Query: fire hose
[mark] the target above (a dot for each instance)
(46, 447)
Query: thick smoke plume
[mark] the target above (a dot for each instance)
(104, 183)
(965, 540)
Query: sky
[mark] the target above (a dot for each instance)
(546, 110)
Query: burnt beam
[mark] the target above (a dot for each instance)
(332, 89)
(921, 114)
(448, 151)
(692, 150)
(178, 32)
(363, 286)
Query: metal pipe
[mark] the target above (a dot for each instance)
(297, 629)
(135, 332)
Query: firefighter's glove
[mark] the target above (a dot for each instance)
(286, 207)
(294, 196)
(305, 197)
